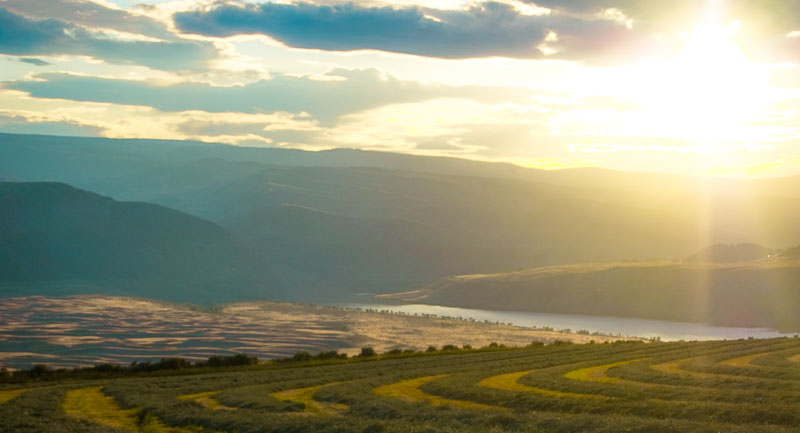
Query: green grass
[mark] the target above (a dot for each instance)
(745, 386)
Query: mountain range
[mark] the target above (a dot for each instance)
(329, 225)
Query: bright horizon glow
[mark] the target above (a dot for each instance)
(707, 88)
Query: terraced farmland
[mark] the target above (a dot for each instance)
(717, 386)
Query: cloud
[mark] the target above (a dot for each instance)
(89, 14)
(345, 91)
(34, 61)
(22, 36)
(22, 125)
(764, 25)
(485, 30)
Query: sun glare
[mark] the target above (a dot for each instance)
(712, 92)
(708, 100)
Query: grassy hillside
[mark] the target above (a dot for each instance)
(751, 294)
(341, 222)
(750, 386)
(56, 239)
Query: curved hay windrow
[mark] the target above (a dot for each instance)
(206, 399)
(509, 382)
(674, 367)
(90, 404)
(9, 394)
(408, 390)
(306, 397)
(597, 373)
(744, 361)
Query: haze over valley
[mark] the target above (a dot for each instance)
(399, 216)
(327, 226)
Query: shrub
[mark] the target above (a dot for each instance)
(331, 355)
(367, 352)
(301, 355)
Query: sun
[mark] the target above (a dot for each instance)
(711, 92)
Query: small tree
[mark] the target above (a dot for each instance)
(301, 355)
(367, 352)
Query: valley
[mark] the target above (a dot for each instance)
(86, 330)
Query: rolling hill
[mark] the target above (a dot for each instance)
(336, 223)
(762, 293)
(56, 239)
(741, 386)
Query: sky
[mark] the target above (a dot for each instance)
(701, 87)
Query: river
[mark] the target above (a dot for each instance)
(625, 326)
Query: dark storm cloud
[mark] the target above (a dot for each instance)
(22, 36)
(326, 100)
(485, 30)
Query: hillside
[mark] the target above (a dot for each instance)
(754, 294)
(56, 239)
(722, 253)
(337, 223)
(742, 386)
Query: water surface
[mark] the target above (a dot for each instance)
(625, 326)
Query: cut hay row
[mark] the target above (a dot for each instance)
(206, 399)
(409, 391)
(8, 395)
(744, 361)
(91, 405)
(598, 373)
(509, 382)
(305, 396)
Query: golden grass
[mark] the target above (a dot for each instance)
(794, 358)
(598, 373)
(671, 367)
(744, 361)
(306, 397)
(207, 400)
(509, 382)
(674, 367)
(151, 424)
(8, 395)
(408, 390)
(90, 404)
